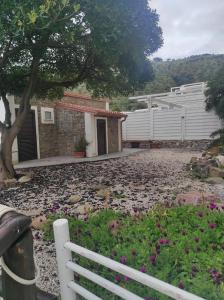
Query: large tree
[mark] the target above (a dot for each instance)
(49, 45)
(215, 101)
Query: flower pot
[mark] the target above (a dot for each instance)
(79, 154)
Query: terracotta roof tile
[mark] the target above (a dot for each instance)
(92, 110)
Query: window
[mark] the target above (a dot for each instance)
(47, 115)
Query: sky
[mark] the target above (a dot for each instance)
(190, 27)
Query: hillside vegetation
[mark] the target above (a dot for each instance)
(171, 73)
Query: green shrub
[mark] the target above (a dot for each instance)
(183, 246)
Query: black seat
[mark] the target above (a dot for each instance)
(12, 226)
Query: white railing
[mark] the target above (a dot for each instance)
(66, 268)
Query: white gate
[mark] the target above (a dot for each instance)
(66, 268)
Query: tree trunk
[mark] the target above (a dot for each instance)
(6, 167)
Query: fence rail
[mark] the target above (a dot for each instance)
(66, 269)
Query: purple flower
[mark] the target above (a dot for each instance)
(152, 258)
(212, 225)
(164, 241)
(200, 214)
(216, 276)
(158, 225)
(123, 259)
(212, 206)
(222, 207)
(196, 239)
(126, 278)
(194, 269)
(148, 298)
(143, 269)
(118, 278)
(181, 285)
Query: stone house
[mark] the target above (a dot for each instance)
(54, 128)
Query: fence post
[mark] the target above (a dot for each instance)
(61, 236)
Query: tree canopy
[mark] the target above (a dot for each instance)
(47, 46)
(215, 93)
(61, 43)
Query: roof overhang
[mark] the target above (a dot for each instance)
(91, 110)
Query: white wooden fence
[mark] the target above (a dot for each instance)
(187, 121)
(66, 268)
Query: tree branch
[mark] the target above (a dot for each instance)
(2, 126)
(25, 99)
(7, 122)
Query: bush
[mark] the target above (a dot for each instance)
(182, 246)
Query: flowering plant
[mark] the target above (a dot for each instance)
(183, 246)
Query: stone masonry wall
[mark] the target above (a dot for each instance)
(59, 138)
(113, 142)
(70, 128)
(90, 103)
(199, 145)
(47, 138)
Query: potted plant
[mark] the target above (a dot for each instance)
(80, 148)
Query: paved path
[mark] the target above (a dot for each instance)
(64, 160)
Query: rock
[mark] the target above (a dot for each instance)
(216, 172)
(39, 222)
(195, 198)
(220, 158)
(200, 169)
(213, 162)
(193, 159)
(214, 180)
(104, 193)
(24, 179)
(204, 154)
(74, 198)
(189, 198)
(84, 209)
(214, 151)
(10, 182)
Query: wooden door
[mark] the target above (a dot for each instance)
(27, 139)
(101, 136)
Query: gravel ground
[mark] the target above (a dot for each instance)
(134, 182)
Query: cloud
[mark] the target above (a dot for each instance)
(190, 27)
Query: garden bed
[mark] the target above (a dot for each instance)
(182, 246)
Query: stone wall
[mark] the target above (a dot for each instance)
(113, 138)
(85, 102)
(70, 128)
(192, 144)
(47, 132)
(60, 138)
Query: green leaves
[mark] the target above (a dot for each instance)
(32, 16)
(104, 44)
(163, 242)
